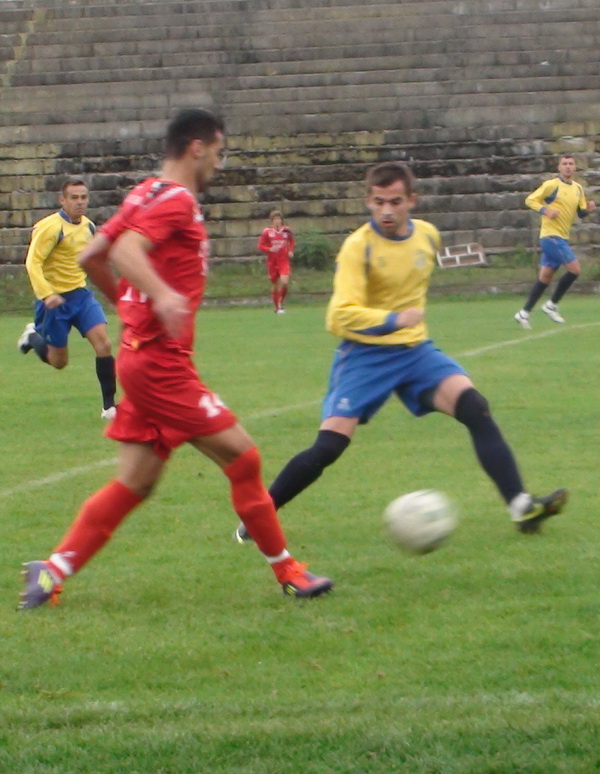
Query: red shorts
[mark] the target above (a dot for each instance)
(164, 401)
(278, 268)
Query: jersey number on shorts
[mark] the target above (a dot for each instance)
(131, 292)
(212, 404)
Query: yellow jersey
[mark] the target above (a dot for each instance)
(51, 262)
(376, 278)
(568, 198)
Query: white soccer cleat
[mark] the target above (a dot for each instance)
(552, 312)
(23, 342)
(281, 310)
(522, 318)
(109, 413)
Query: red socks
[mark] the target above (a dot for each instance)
(102, 513)
(98, 517)
(282, 294)
(253, 504)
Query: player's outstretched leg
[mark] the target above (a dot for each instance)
(529, 516)
(254, 506)
(496, 458)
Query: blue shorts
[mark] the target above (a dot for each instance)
(556, 251)
(364, 376)
(81, 310)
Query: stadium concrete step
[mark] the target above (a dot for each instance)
(318, 104)
(431, 94)
(473, 98)
(207, 26)
(459, 78)
(351, 35)
(305, 54)
(429, 66)
(217, 63)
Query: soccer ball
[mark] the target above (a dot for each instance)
(420, 521)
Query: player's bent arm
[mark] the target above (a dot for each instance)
(94, 260)
(409, 318)
(264, 243)
(129, 254)
(43, 241)
(348, 309)
(583, 206)
(536, 200)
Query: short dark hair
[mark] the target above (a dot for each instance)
(389, 172)
(188, 125)
(73, 181)
(276, 214)
(566, 156)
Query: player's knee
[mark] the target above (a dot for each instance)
(471, 407)
(574, 271)
(244, 467)
(104, 349)
(328, 447)
(58, 361)
(143, 491)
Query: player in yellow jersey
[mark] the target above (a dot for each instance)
(378, 310)
(558, 201)
(63, 300)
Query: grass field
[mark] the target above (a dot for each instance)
(174, 651)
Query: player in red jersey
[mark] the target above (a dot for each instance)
(161, 252)
(277, 242)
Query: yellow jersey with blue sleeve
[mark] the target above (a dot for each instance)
(56, 242)
(377, 277)
(568, 198)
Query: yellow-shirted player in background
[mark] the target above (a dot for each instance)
(559, 201)
(63, 300)
(378, 310)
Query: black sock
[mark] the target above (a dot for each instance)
(105, 371)
(493, 453)
(305, 468)
(535, 294)
(564, 283)
(39, 346)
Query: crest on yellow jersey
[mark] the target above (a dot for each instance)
(421, 259)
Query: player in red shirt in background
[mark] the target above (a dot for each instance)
(277, 242)
(161, 252)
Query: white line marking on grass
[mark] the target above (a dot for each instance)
(56, 477)
(64, 475)
(282, 410)
(525, 339)
(72, 472)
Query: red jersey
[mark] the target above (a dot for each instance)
(276, 244)
(114, 226)
(168, 215)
